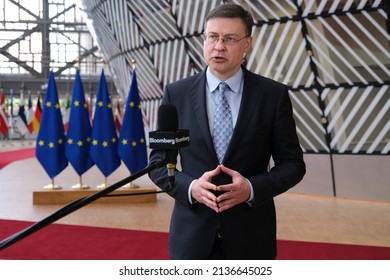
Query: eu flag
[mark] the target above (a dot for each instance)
(50, 146)
(78, 137)
(104, 140)
(132, 144)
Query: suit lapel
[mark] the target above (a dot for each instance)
(198, 96)
(249, 102)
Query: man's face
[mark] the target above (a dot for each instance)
(223, 59)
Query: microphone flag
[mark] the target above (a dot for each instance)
(78, 137)
(104, 139)
(132, 144)
(50, 145)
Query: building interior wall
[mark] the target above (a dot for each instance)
(333, 55)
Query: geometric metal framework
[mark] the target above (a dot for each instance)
(333, 55)
(42, 35)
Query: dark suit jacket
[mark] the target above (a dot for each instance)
(264, 128)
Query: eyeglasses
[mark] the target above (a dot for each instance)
(228, 40)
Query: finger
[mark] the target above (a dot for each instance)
(211, 204)
(225, 205)
(203, 183)
(225, 188)
(206, 197)
(213, 173)
(208, 186)
(225, 196)
(199, 192)
(208, 176)
(227, 170)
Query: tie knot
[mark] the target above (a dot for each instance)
(222, 87)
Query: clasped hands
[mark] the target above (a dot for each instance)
(234, 193)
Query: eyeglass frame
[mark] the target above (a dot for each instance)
(206, 38)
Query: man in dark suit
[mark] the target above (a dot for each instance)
(224, 208)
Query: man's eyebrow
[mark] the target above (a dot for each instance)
(226, 35)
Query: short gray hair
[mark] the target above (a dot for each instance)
(232, 11)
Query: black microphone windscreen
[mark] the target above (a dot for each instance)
(167, 118)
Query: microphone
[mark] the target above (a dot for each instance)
(169, 137)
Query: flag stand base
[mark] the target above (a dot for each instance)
(102, 186)
(66, 196)
(130, 186)
(52, 187)
(78, 187)
(127, 186)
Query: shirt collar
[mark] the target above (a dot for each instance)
(233, 82)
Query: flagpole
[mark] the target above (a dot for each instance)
(133, 64)
(80, 185)
(104, 138)
(104, 185)
(78, 133)
(50, 149)
(52, 186)
(132, 125)
(131, 185)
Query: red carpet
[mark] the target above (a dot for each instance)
(66, 242)
(10, 156)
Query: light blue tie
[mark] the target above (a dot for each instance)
(223, 123)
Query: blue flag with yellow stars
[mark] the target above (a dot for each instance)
(104, 140)
(78, 137)
(50, 146)
(132, 144)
